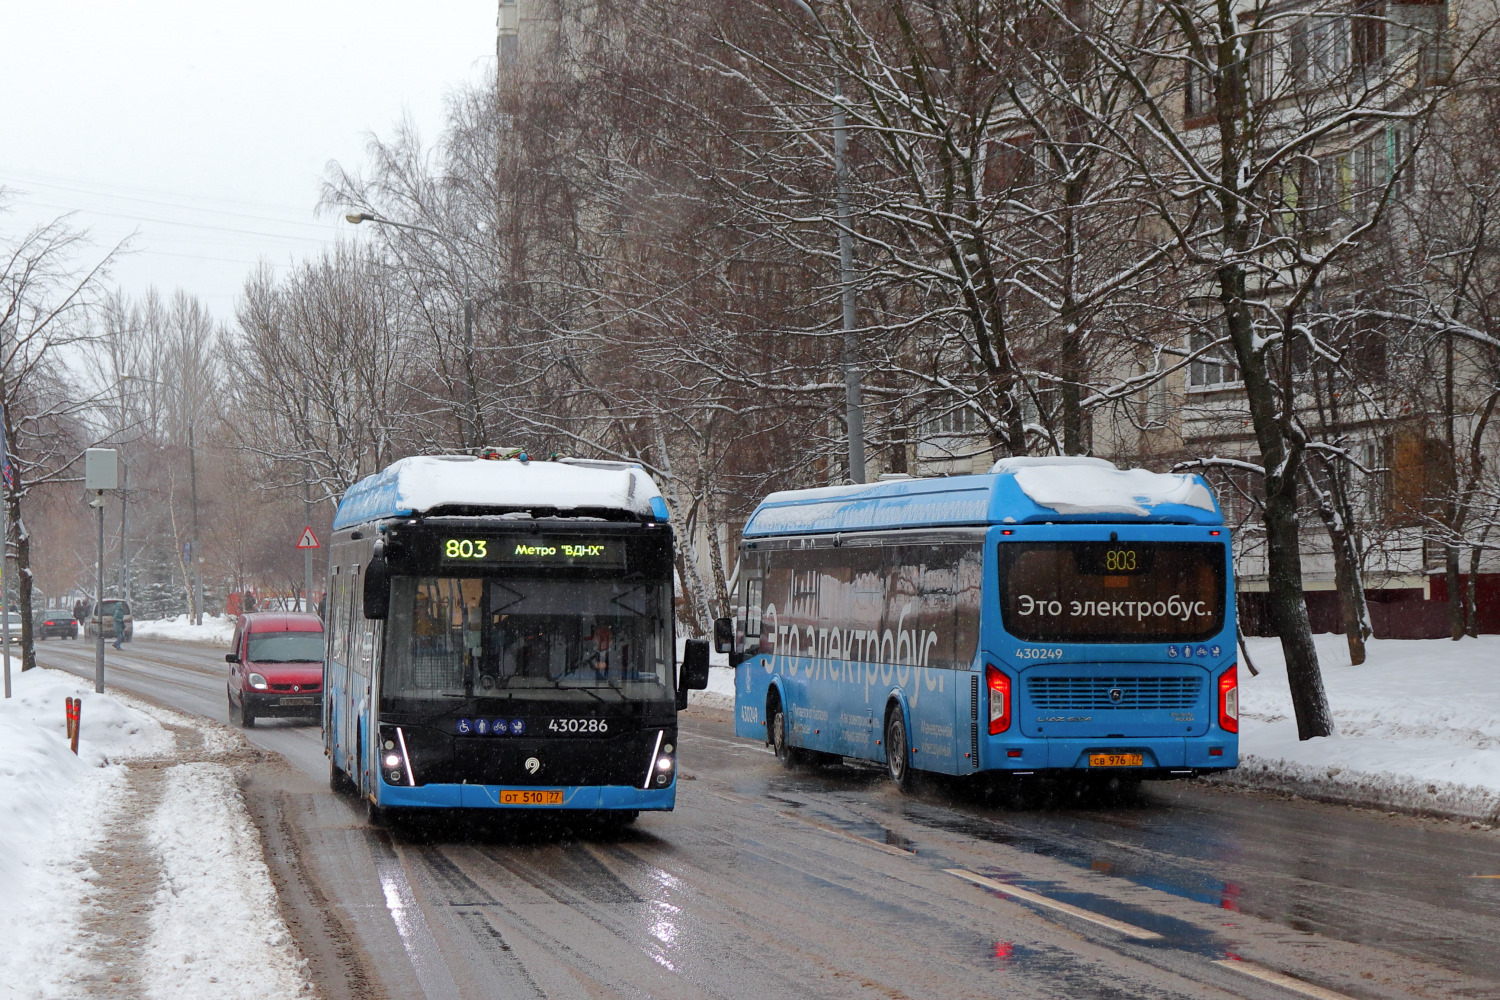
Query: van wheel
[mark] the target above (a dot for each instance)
(897, 750)
(234, 715)
(789, 755)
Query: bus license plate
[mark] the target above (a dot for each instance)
(305, 699)
(1115, 760)
(540, 797)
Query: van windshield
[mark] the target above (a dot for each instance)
(286, 647)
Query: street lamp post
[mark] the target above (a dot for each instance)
(853, 405)
(471, 393)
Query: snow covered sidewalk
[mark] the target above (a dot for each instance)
(1418, 727)
(132, 869)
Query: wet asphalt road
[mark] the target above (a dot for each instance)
(828, 883)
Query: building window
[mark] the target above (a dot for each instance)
(1213, 365)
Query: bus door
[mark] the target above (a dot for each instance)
(924, 631)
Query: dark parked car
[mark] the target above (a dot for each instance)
(48, 623)
(276, 667)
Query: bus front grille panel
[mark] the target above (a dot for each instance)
(1100, 694)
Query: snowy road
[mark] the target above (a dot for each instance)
(766, 883)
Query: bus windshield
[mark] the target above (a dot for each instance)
(571, 639)
(1112, 591)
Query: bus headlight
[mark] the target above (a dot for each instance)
(664, 763)
(392, 760)
(258, 682)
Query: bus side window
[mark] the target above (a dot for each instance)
(966, 618)
(754, 592)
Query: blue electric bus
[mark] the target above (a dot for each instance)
(500, 636)
(1054, 616)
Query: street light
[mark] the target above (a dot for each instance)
(475, 433)
(854, 410)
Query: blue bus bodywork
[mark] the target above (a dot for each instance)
(500, 636)
(992, 623)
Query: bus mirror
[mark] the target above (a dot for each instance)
(723, 635)
(694, 665)
(377, 587)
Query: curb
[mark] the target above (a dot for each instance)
(1386, 792)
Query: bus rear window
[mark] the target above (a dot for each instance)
(1112, 591)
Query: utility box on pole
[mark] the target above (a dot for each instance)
(101, 469)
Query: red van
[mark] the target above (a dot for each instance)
(276, 667)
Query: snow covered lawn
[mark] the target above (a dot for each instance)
(217, 630)
(214, 928)
(1418, 726)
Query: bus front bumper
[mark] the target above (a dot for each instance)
(589, 797)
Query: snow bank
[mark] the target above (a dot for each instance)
(1093, 486)
(216, 630)
(54, 809)
(215, 931)
(1418, 726)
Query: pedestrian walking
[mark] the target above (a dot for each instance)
(119, 623)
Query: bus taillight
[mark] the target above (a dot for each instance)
(999, 684)
(1229, 700)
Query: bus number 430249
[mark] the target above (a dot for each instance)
(578, 726)
(1039, 653)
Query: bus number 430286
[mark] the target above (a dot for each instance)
(578, 726)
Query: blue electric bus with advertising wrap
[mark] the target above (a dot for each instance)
(500, 636)
(1055, 616)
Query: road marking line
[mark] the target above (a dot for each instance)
(1484, 876)
(1119, 927)
(1281, 979)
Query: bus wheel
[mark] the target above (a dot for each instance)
(378, 816)
(897, 750)
(789, 755)
(339, 781)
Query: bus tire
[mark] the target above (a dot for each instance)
(377, 816)
(898, 749)
(790, 756)
(339, 781)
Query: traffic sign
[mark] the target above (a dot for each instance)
(308, 539)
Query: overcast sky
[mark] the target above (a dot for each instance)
(205, 128)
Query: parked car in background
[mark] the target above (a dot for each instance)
(15, 625)
(275, 667)
(107, 606)
(47, 623)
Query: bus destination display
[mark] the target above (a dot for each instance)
(533, 551)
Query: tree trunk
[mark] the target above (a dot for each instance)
(1471, 590)
(1287, 606)
(1452, 573)
(23, 567)
(1351, 596)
